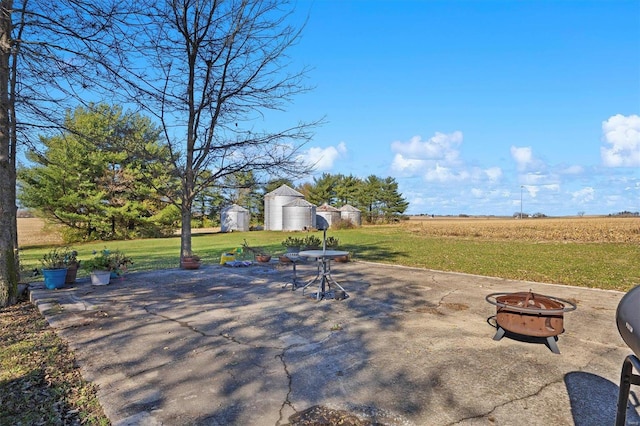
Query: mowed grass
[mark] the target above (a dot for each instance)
(587, 252)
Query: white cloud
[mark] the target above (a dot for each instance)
(573, 170)
(407, 166)
(476, 192)
(322, 159)
(437, 160)
(493, 173)
(441, 174)
(533, 178)
(439, 147)
(523, 156)
(621, 135)
(584, 195)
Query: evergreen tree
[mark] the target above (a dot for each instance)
(346, 190)
(392, 204)
(379, 199)
(101, 177)
(323, 190)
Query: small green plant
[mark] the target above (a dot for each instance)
(343, 224)
(70, 257)
(107, 260)
(332, 242)
(293, 242)
(54, 259)
(311, 241)
(257, 251)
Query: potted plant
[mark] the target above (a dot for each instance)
(119, 263)
(332, 242)
(263, 257)
(72, 263)
(293, 244)
(54, 270)
(106, 263)
(190, 262)
(258, 252)
(311, 242)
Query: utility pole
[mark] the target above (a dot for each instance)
(521, 188)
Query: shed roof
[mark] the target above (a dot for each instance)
(284, 190)
(234, 208)
(299, 202)
(348, 208)
(327, 208)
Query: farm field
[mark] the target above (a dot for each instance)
(593, 252)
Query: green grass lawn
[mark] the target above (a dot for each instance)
(613, 266)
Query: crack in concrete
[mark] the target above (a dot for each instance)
(286, 401)
(581, 369)
(181, 323)
(495, 407)
(280, 356)
(441, 301)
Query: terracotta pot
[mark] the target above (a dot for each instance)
(342, 259)
(284, 259)
(263, 258)
(189, 263)
(72, 273)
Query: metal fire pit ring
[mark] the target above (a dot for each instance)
(572, 306)
(530, 314)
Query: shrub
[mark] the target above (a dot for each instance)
(343, 224)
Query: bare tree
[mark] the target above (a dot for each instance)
(47, 48)
(8, 224)
(206, 70)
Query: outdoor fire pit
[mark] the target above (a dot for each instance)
(530, 314)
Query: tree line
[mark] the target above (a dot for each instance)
(107, 176)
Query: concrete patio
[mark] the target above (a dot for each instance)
(230, 346)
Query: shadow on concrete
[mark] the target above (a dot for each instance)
(223, 345)
(594, 400)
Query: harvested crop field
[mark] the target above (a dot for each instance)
(570, 229)
(33, 231)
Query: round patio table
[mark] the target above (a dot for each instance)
(323, 276)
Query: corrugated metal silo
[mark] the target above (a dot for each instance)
(274, 201)
(234, 218)
(352, 214)
(298, 215)
(326, 216)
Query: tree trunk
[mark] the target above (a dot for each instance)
(8, 211)
(185, 232)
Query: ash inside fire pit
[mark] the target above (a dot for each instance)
(530, 314)
(320, 415)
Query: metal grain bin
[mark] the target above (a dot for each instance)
(352, 214)
(326, 216)
(234, 218)
(274, 201)
(298, 215)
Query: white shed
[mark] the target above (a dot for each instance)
(352, 214)
(298, 215)
(234, 218)
(274, 202)
(326, 216)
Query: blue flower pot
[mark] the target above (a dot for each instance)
(54, 278)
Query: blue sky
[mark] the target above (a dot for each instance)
(471, 104)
